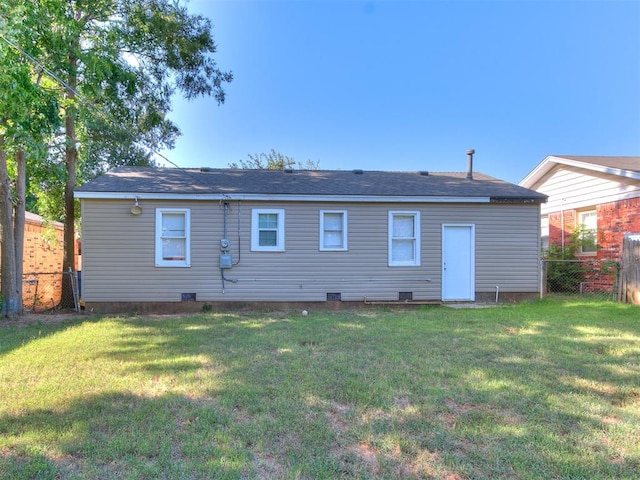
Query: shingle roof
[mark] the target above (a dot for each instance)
(189, 181)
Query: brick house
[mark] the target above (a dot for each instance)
(42, 263)
(601, 193)
(42, 245)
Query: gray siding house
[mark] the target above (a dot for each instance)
(160, 238)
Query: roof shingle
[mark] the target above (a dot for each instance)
(147, 180)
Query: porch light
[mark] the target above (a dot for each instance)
(135, 208)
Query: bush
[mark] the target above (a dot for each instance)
(565, 272)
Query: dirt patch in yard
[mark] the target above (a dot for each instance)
(41, 318)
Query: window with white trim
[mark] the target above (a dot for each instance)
(333, 230)
(404, 239)
(588, 221)
(544, 233)
(173, 240)
(267, 230)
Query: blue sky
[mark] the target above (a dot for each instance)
(411, 85)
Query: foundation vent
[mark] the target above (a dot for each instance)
(405, 295)
(334, 297)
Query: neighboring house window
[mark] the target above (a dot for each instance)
(544, 233)
(588, 221)
(333, 230)
(404, 239)
(267, 230)
(173, 237)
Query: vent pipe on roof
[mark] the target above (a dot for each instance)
(470, 164)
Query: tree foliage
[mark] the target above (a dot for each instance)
(274, 161)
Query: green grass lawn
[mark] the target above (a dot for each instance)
(543, 390)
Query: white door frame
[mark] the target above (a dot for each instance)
(458, 265)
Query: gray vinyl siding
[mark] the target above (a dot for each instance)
(118, 253)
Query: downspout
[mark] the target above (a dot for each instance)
(562, 200)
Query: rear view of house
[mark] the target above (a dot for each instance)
(163, 237)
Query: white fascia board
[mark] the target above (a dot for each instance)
(535, 174)
(281, 198)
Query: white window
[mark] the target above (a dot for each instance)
(544, 233)
(333, 230)
(588, 221)
(173, 237)
(404, 239)
(267, 230)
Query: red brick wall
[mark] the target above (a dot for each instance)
(43, 248)
(42, 265)
(614, 219)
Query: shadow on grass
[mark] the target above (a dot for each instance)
(122, 436)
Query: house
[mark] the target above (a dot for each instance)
(41, 263)
(602, 194)
(160, 238)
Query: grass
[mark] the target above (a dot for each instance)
(542, 390)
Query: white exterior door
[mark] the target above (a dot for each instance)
(458, 262)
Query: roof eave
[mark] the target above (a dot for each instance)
(547, 164)
(282, 197)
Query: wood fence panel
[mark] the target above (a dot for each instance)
(629, 285)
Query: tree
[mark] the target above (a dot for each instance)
(274, 161)
(117, 64)
(29, 114)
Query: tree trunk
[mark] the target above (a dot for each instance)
(19, 220)
(10, 302)
(71, 156)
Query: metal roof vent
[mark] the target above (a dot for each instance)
(288, 170)
(358, 171)
(205, 169)
(423, 173)
(470, 164)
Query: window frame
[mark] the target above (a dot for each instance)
(591, 231)
(416, 238)
(255, 230)
(322, 246)
(159, 260)
(544, 233)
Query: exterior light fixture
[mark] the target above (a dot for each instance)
(135, 208)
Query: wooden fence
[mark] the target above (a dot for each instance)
(629, 284)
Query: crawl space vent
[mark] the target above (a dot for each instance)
(189, 297)
(405, 295)
(334, 297)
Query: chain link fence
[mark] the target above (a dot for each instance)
(596, 279)
(48, 291)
